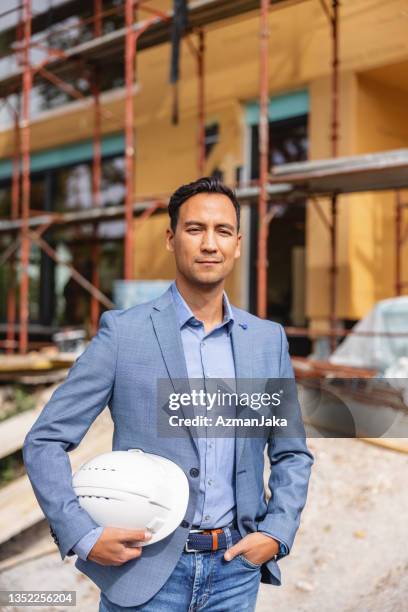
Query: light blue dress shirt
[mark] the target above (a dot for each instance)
(208, 355)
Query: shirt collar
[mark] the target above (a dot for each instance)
(185, 314)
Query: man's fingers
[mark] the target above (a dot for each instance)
(117, 546)
(232, 552)
(131, 553)
(124, 556)
(134, 535)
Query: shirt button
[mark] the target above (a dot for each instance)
(210, 482)
(207, 517)
(194, 472)
(203, 344)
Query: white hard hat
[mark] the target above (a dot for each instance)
(133, 490)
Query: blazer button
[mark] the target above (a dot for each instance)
(184, 524)
(194, 472)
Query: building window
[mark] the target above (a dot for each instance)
(61, 28)
(288, 142)
(55, 298)
(74, 185)
(212, 132)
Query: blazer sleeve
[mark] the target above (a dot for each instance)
(59, 429)
(290, 461)
(87, 542)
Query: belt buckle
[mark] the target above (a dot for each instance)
(186, 548)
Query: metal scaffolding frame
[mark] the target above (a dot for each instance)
(54, 69)
(135, 36)
(386, 171)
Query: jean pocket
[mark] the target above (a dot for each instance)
(249, 563)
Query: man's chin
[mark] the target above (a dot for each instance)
(208, 280)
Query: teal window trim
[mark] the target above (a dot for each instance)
(56, 157)
(281, 107)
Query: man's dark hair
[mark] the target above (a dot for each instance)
(206, 184)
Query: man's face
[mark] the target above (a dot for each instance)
(206, 242)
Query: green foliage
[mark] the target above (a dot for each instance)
(23, 399)
(11, 467)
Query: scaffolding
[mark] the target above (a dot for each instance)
(135, 36)
(138, 33)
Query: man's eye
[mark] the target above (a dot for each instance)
(193, 229)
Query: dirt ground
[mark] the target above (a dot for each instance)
(350, 553)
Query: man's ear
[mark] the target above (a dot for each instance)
(170, 240)
(238, 249)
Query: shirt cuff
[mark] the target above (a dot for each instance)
(283, 548)
(84, 546)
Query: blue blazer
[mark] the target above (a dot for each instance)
(119, 368)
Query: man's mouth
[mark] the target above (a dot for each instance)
(208, 262)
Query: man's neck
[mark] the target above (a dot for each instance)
(206, 304)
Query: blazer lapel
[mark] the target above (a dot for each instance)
(168, 335)
(242, 350)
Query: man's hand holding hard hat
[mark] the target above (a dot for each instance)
(139, 498)
(115, 546)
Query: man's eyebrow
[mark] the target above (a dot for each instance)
(192, 222)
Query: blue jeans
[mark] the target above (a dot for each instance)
(202, 581)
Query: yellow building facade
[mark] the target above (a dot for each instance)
(373, 109)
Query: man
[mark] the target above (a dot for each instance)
(190, 332)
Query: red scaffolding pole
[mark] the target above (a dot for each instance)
(198, 52)
(132, 34)
(25, 195)
(334, 22)
(96, 172)
(15, 200)
(333, 18)
(401, 236)
(201, 102)
(130, 53)
(262, 261)
(96, 198)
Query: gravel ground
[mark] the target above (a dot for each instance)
(350, 553)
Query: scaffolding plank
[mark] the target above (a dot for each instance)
(387, 170)
(107, 213)
(14, 429)
(24, 363)
(36, 550)
(34, 362)
(19, 508)
(45, 19)
(383, 171)
(201, 13)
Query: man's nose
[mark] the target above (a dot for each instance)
(209, 242)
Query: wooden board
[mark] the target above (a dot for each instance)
(14, 430)
(35, 361)
(19, 508)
